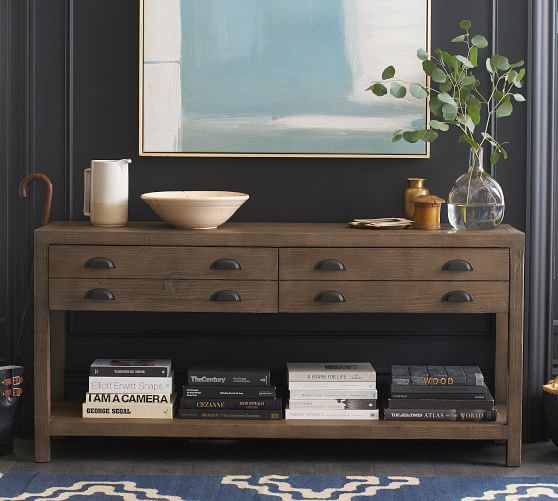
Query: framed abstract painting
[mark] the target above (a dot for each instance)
(278, 77)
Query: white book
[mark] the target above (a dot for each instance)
(332, 414)
(123, 410)
(330, 403)
(331, 371)
(335, 394)
(332, 385)
(134, 384)
(128, 398)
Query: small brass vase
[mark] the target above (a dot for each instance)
(416, 189)
(427, 213)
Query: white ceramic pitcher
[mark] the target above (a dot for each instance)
(105, 197)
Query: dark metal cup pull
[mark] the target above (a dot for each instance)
(457, 265)
(226, 296)
(226, 264)
(100, 262)
(102, 294)
(331, 265)
(457, 297)
(330, 297)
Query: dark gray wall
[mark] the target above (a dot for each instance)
(84, 97)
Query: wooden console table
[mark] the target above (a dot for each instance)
(275, 267)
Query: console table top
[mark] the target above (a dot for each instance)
(272, 235)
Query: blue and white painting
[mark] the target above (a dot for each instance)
(279, 77)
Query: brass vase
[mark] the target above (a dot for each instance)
(416, 189)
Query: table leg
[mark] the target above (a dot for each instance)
(42, 353)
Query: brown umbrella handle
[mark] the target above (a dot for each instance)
(47, 206)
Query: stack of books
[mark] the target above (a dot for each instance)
(332, 391)
(120, 388)
(439, 393)
(229, 393)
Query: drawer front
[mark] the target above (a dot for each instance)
(163, 295)
(394, 264)
(220, 263)
(393, 297)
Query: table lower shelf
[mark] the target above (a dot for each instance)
(66, 420)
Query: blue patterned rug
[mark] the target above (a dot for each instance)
(43, 486)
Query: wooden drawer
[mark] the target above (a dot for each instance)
(392, 297)
(393, 264)
(163, 295)
(221, 263)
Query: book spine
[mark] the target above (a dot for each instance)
(340, 414)
(113, 410)
(152, 385)
(333, 376)
(228, 392)
(348, 403)
(227, 414)
(127, 398)
(335, 394)
(439, 415)
(225, 378)
(438, 388)
(439, 396)
(230, 403)
(415, 403)
(129, 371)
(332, 385)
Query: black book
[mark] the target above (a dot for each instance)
(228, 376)
(439, 415)
(434, 375)
(434, 389)
(228, 414)
(429, 403)
(228, 392)
(230, 403)
(117, 367)
(439, 396)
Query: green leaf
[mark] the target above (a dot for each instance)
(479, 41)
(436, 106)
(464, 61)
(449, 112)
(504, 110)
(464, 138)
(517, 80)
(396, 137)
(438, 75)
(459, 38)
(503, 152)
(414, 136)
(500, 62)
(397, 90)
(474, 56)
(446, 86)
(378, 89)
(511, 76)
(465, 24)
(474, 112)
(472, 101)
(428, 67)
(446, 98)
(518, 64)
(467, 122)
(494, 158)
(422, 54)
(468, 81)
(448, 59)
(431, 136)
(519, 97)
(489, 66)
(389, 72)
(439, 125)
(418, 91)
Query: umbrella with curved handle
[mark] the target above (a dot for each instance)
(47, 206)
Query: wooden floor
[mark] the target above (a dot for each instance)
(296, 457)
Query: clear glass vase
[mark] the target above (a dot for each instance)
(476, 201)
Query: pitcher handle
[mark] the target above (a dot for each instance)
(87, 192)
